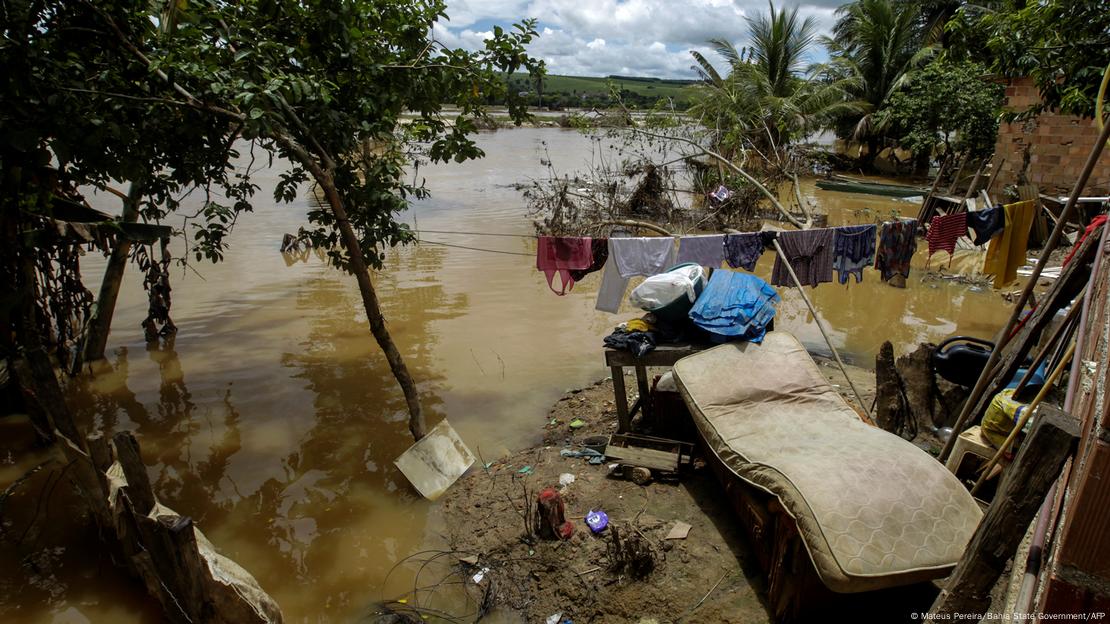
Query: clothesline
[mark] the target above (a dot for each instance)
(496, 251)
(422, 230)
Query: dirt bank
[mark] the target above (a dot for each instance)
(710, 576)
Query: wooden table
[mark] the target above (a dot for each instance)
(618, 359)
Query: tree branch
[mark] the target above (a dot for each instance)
(735, 169)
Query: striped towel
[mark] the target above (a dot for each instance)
(943, 232)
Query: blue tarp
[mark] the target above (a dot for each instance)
(735, 305)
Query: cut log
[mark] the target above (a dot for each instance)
(919, 384)
(134, 470)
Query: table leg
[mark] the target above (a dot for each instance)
(624, 421)
(645, 392)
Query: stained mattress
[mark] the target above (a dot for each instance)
(873, 510)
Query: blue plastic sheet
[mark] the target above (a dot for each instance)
(735, 305)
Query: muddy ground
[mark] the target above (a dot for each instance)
(710, 576)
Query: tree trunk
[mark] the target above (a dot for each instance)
(357, 263)
(101, 323)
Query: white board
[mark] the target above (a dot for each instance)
(435, 462)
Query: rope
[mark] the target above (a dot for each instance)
(422, 230)
(497, 251)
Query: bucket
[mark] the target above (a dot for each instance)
(596, 443)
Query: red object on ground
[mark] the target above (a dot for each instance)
(551, 521)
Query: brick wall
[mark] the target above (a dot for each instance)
(1058, 146)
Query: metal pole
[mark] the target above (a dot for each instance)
(820, 325)
(1004, 334)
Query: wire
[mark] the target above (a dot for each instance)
(422, 230)
(497, 251)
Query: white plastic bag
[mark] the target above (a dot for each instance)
(660, 290)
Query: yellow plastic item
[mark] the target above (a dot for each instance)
(639, 325)
(1001, 415)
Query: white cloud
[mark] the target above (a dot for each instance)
(626, 37)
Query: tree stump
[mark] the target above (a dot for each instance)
(890, 399)
(919, 384)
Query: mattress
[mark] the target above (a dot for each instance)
(873, 510)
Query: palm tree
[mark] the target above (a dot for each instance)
(768, 98)
(876, 43)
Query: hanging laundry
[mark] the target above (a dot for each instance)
(897, 244)
(943, 232)
(853, 250)
(1092, 227)
(599, 248)
(703, 250)
(1007, 250)
(809, 253)
(735, 305)
(561, 254)
(629, 257)
(645, 256)
(986, 223)
(743, 250)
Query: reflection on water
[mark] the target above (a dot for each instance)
(273, 419)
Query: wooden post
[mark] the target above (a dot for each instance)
(138, 482)
(1026, 293)
(89, 483)
(624, 421)
(100, 325)
(1024, 487)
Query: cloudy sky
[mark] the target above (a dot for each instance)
(617, 37)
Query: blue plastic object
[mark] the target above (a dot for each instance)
(735, 305)
(597, 521)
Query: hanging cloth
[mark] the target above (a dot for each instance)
(702, 250)
(986, 223)
(1092, 227)
(810, 255)
(599, 248)
(644, 256)
(742, 251)
(853, 250)
(897, 244)
(1007, 250)
(559, 255)
(943, 232)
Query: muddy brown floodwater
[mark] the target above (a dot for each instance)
(273, 420)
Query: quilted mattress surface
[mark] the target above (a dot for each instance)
(873, 510)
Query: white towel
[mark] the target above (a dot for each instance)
(642, 256)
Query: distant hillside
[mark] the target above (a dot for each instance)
(578, 91)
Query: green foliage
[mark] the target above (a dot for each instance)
(875, 46)
(78, 110)
(593, 92)
(111, 91)
(954, 104)
(767, 100)
(1064, 45)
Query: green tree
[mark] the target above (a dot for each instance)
(321, 83)
(1063, 45)
(768, 99)
(875, 44)
(950, 105)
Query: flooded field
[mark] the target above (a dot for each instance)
(273, 421)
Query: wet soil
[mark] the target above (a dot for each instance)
(710, 576)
